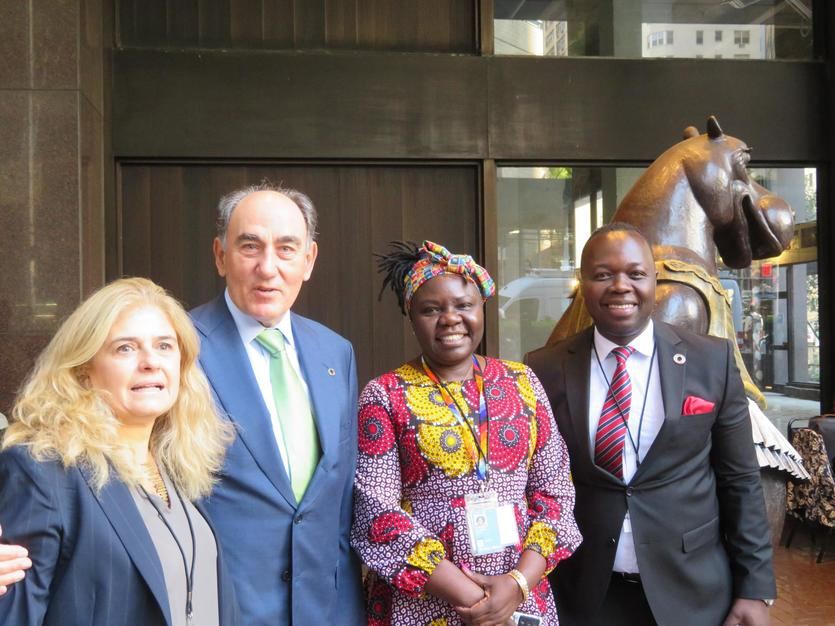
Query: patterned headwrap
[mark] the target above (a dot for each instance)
(435, 260)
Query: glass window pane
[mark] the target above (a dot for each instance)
(545, 215)
(755, 29)
(777, 323)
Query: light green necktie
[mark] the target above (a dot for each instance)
(298, 430)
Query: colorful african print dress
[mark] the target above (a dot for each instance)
(416, 463)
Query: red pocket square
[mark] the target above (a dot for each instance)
(694, 405)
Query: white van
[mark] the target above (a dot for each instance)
(529, 308)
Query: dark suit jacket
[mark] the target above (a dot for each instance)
(94, 563)
(291, 563)
(695, 503)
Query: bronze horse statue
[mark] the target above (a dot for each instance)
(695, 200)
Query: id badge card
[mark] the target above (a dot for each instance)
(491, 527)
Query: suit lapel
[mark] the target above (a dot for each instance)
(668, 344)
(227, 366)
(120, 509)
(672, 373)
(322, 380)
(577, 387)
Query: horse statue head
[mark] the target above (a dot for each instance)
(694, 202)
(697, 198)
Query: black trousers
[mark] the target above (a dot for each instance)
(625, 604)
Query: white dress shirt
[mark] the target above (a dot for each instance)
(259, 358)
(643, 431)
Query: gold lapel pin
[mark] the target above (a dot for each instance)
(331, 371)
(679, 358)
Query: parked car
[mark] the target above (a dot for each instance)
(530, 306)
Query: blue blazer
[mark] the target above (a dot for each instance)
(94, 563)
(291, 562)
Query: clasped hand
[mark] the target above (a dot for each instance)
(13, 561)
(745, 612)
(502, 596)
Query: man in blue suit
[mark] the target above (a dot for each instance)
(282, 510)
(283, 527)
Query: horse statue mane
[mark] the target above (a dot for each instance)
(694, 201)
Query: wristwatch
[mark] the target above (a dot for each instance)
(769, 602)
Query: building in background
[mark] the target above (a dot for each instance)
(509, 128)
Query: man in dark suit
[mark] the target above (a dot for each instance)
(283, 507)
(668, 494)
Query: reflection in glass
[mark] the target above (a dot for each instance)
(545, 215)
(776, 318)
(735, 29)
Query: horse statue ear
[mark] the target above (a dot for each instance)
(714, 131)
(690, 132)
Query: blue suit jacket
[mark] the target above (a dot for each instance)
(94, 563)
(291, 562)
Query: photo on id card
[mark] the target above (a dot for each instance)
(491, 527)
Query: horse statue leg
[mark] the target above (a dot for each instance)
(681, 305)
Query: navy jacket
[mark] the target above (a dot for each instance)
(94, 563)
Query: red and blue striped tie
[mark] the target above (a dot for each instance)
(611, 429)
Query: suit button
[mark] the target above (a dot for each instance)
(612, 540)
(628, 491)
(298, 519)
(285, 575)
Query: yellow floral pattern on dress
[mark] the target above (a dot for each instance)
(523, 385)
(426, 401)
(449, 448)
(541, 538)
(426, 554)
(424, 476)
(411, 375)
(444, 441)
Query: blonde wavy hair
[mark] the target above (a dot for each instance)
(58, 416)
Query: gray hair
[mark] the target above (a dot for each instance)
(231, 200)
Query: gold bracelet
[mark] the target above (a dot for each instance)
(520, 579)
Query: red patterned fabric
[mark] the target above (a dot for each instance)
(387, 527)
(409, 507)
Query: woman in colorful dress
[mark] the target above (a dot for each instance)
(463, 497)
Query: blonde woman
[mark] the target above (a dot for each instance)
(113, 441)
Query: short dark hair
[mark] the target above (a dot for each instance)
(614, 227)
